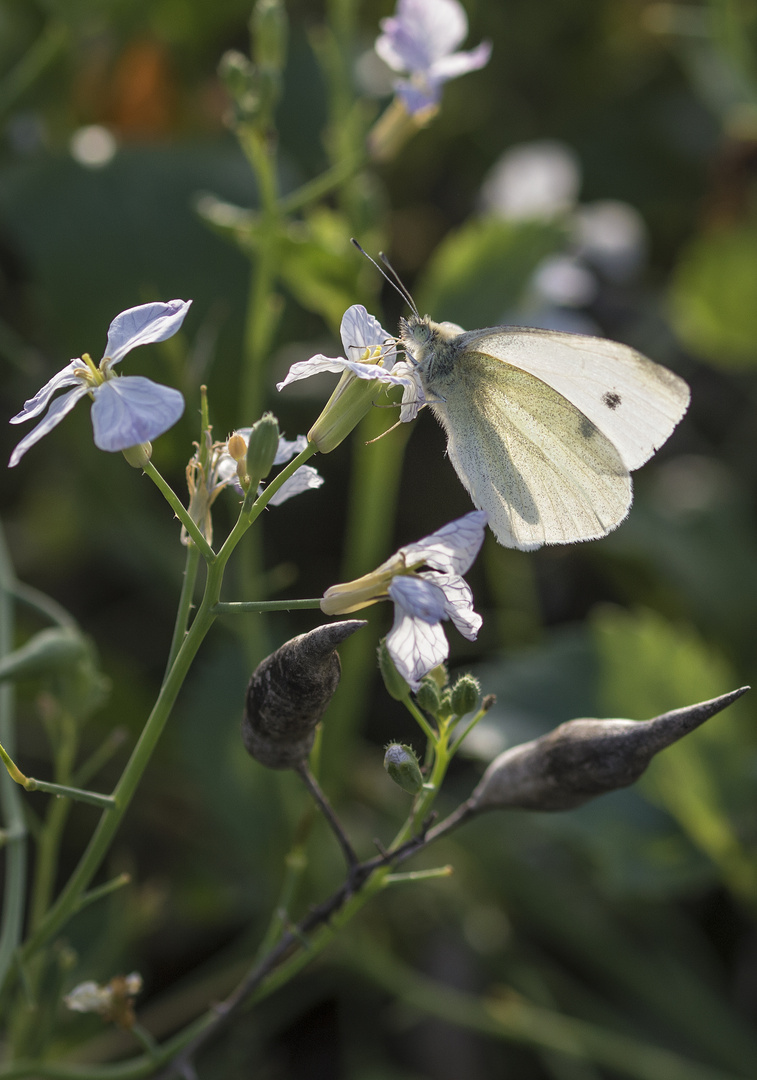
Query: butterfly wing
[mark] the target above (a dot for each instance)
(543, 472)
(633, 401)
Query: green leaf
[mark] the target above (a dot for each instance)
(712, 297)
(480, 271)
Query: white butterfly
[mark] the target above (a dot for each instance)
(543, 428)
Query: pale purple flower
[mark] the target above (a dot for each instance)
(423, 598)
(126, 410)
(420, 41)
(369, 353)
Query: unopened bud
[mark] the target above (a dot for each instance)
(584, 758)
(139, 455)
(402, 766)
(395, 685)
(289, 692)
(262, 446)
(465, 695)
(429, 696)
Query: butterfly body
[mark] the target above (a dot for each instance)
(544, 428)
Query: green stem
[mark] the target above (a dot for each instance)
(43, 605)
(322, 185)
(50, 43)
(94, 798)
(185, 603)
(180, 510)
(420, 719)
(246, 607)
(14, 891)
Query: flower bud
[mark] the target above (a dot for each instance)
(584, 758)
(429, 696)
(289, 692)
(351, 400)
(402, 765)
(139, 455)
(395, 685)
(465, 695)
(262, 446)
(268, 24)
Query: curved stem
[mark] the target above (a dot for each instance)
(180, 510)
(185, 603)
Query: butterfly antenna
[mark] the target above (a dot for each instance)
(394, 280)
(399, 283)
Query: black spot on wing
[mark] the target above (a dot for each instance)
(588, 431)
(611, 399)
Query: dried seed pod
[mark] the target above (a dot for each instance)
(289, 692)
(584, 758)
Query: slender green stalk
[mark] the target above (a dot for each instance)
(324, 184)
(14, 892)
(43, 604)
(180, 510)
(188, 583)
(94, 798)
(246, 607)
(50, 43)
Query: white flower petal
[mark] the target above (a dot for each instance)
(360, 331)
(288, 448)
(59, 408)
(421, 32)
(88, 997)
(451, 549)
(418, 597)
(459, 603)
(66, 377)
(132, 410)
(142, 325)
(305, 479)
(303, 369)
(460, 63)
(416, 647)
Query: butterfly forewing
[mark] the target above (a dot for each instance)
(633, 401)
(543, 472)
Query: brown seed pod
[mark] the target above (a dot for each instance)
(289, 692)
(584, 758)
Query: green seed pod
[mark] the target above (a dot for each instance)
(395, 685)
(465, 695)
(57, 649)
(261, 447)
(429, 697)
(269, 28)
(289, 692)
(402, 765)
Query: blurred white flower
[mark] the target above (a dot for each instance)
(613, 237)
(533, 180)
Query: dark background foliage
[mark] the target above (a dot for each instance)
(635, 913)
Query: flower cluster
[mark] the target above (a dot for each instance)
(206, 481)
(423, 598)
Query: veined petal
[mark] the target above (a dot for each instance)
(451, 549)
(418, 597)
(66, 377)
(459, 603)
(132, 410)
(305, 479)
(289, 448)
(59, 408)
(303, 369)
(360, 331)
(416, 647)
(460, 63)
(143, 325)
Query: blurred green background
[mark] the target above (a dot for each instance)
(635, 913)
